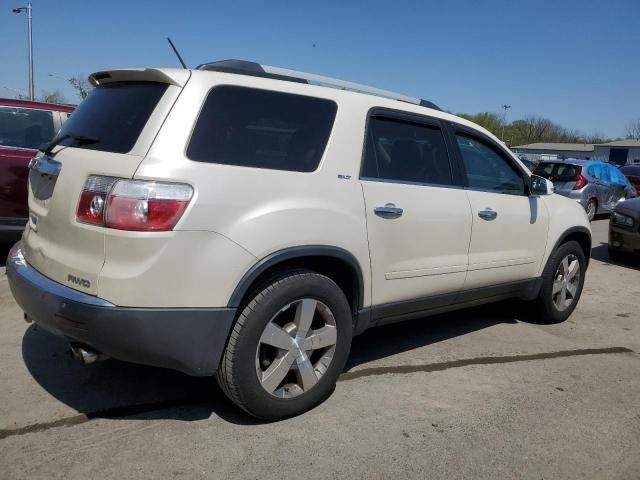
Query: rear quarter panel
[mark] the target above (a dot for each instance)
(260, 210)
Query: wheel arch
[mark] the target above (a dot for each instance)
(334, 262)
(581, 235)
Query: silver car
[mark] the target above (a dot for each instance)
(597, 186)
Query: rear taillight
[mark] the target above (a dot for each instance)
(581, 182)
(94, 199)
(138, 205)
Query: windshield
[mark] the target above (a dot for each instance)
(113, 115)
(562, 172)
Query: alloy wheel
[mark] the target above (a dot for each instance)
(296, 348)
(566, 282)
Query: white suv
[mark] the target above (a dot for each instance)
(245, 221)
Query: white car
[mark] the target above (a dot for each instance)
(246, 221)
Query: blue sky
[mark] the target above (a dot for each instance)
(576, 62)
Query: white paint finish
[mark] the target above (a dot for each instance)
(424, 251)
(171, 269)
(509, 248)
(239, 215)
(564, 215)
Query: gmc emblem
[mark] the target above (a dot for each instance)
(78, 281)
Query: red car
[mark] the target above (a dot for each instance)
(24, 127)
(632, 172)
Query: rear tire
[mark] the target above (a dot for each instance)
(591, 208)
(288, 346)
(562, 282)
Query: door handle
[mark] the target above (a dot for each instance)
(488, 214)
(388, 211)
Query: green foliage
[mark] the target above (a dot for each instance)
(80, 85)
(531, 129)
(53, 97)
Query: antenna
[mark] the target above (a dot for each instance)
(175, 50)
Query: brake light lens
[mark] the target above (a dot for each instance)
(93, 199)
(581, 182)
(135, 205)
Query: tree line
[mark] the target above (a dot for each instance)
(535, 129)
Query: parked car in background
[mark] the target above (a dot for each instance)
(624, 229)
(529, 164)
(24, 127)
(597, 186)
(632, 172)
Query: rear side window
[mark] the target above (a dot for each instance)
(262, 129)
(25, 127)
(114, 114)
(406, 152)
(488, 170)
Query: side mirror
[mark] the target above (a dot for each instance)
(540, 186)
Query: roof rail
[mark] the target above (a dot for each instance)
(243, 67)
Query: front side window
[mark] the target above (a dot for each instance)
(25, 127)
(262, 129)
(406, 152)
(486, 169)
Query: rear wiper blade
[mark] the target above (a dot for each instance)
(81, 139)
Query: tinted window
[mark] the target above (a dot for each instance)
(560, 172)
(486, 169)
(115, 114)
(262, 129)
(406, 152)
(25, 127)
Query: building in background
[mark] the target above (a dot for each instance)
(621, 152)
(536, 152)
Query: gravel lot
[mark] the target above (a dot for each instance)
(474, 394)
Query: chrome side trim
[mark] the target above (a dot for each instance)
(16, 263)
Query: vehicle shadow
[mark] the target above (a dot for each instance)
(601, 253)
(114, 389)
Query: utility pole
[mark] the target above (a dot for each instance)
(28, 9)
(504, 119)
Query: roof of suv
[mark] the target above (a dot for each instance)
(56, 107)
(372, 96)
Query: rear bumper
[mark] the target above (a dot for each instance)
(188, 340)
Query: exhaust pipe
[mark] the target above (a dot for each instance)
(85, 354)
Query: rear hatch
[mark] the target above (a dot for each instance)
(563, 175)
(107, 135)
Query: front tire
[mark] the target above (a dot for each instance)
(288, 346)
(562, 282)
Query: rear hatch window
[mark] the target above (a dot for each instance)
(113, 115)
(560, 172)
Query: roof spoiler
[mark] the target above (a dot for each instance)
(172, 76)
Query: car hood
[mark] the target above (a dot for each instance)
(629, 207)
